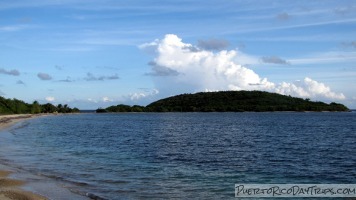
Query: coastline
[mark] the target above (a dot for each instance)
(10, 189)
(9, 120)
(18, 184)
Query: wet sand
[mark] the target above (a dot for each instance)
(10, 189)
(8, 120)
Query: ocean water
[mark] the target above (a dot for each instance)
(183, 155)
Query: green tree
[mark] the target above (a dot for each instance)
(35, 108)
(49, 108)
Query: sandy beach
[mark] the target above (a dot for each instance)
(10, 189)
(8, 120)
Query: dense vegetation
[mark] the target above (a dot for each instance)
(15, 106)
(122, 108)
(229, 101)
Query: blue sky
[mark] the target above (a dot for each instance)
(91, 53)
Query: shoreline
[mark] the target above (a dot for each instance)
(10, 189)
(9, 120)
(18, 184)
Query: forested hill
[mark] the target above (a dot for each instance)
(15, 106)
(236, 101)
(231, 101)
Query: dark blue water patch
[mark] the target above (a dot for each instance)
(185, 155)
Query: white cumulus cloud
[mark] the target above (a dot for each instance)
(308, 88)
(140, 95)
(50, 99)
(203, 70)
(107, 99)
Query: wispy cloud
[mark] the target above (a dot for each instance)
(293, 26)
(323, 37)
(351, 44)
(274, 60)
(92, 77)
(283, 16)
(345, 10)
(325, 57)
(13, 28)
(44, 76)
(67, 80)
(37, 3)
(13, 72)
(25, 20)
(19, 82)
(213, 44)
(108, 68)
(108, 41)
(341, 21)
(58, 67)
(71, 49)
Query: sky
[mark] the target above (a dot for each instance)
(90, 53)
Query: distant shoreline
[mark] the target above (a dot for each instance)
(230, 101)
(289, 111)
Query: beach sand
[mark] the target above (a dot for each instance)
(8, 120)
(10, 189)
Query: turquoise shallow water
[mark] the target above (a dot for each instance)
(183, 155)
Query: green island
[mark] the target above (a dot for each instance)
(229, 101)
(15, 106)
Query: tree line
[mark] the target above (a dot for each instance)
(229, 101)
(15, 106)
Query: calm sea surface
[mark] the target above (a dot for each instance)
(184, 155)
